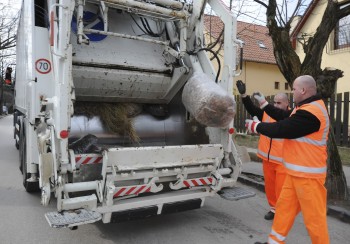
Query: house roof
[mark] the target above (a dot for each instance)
(257, 43)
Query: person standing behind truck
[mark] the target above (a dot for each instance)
(305, 158)
(269, 150)
(8, 79)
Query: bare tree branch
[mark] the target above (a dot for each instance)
(8, 26)
(295, 12)
(344, 11)
(261, 3)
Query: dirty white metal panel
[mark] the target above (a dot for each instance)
(155, 157)
(24, 57)
(97, 84)
(43, 75)
(120, 51)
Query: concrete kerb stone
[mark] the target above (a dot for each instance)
(246, 180)
(332, 210)
(339, 212)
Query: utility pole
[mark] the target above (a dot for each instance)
(2, 87)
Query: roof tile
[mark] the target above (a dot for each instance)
(251, 34)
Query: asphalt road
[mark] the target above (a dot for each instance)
(219, 221)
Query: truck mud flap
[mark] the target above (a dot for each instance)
(236, 193)
(72, 218)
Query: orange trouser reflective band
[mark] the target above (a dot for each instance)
(274, 175)
(309, 196)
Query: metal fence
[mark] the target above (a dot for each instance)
(338, 108)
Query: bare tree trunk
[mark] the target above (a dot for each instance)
(336, 181)
(291, 67)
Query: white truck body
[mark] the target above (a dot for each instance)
(62, 59)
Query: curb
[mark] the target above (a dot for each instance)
(246, 180)
(332, 210)
(339, 213)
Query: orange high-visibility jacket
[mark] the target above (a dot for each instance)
(268, 148)
(307, 156)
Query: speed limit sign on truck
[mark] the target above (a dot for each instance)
(43, 66)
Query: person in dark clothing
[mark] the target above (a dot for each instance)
(269, 150)
(305, 158)
(8, 79)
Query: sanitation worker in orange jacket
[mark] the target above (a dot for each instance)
(269, 150)
(304, 156)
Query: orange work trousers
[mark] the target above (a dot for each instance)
(274, 175)
(308, 196)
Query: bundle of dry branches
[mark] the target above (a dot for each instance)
(117, 117)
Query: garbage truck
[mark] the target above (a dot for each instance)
(119, 113)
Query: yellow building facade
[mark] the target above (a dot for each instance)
(259, 69)
(265, 78)
(334, 55)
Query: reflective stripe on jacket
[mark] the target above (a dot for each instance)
(307, 156)
(268, 149)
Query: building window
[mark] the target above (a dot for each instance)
(277, 85)
(261, 45)
(342, 32)
(286, 86)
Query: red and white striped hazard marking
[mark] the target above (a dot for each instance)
(199, 182)
(131, 190)
(87, 159)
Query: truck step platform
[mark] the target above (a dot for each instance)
(72, 218)
(235, 193)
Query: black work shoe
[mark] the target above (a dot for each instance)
(260, 242)
(269, 216)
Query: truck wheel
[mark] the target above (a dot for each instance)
(29, 186)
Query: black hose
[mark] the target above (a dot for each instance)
(149, 30)
(215, 55)
(145, 26)
(139, 25)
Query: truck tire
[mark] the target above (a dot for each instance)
(29, 186)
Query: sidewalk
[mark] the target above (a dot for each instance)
(252, 174)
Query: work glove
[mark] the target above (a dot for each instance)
(251, 125)
(261, 99)
(241, 88)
